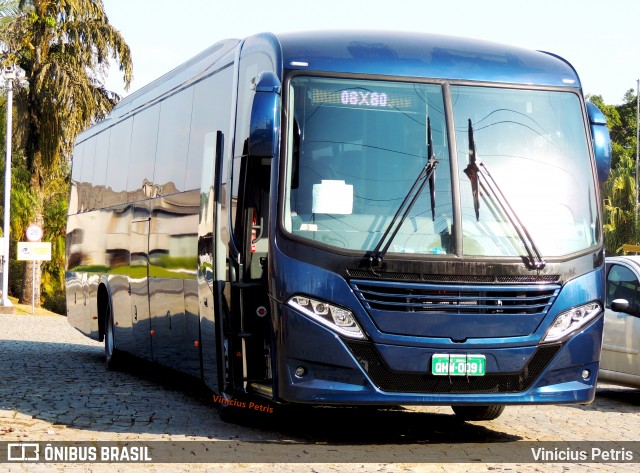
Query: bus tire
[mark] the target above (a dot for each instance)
(478, 412)
(111, 354)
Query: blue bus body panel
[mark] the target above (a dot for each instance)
(396, 369)
(423, 55)
(295, 277)
(335, 376)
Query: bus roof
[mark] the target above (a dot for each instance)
(395, 54)
(190, 71)
(424, 55)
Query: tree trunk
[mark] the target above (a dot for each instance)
(31, 285)
(32, 270)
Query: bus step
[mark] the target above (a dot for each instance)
(262, 389)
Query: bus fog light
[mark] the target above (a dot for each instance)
(571, 321)
(301, 371)
(338, 319)
(586, 374)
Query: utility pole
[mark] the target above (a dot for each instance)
(9, 75)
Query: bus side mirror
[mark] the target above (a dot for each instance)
(265, 117)
(601, 141)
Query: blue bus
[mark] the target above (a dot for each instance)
(349, 218)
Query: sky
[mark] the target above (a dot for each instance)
(601, 39)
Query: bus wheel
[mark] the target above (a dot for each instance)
(111, 353)
(478, 412)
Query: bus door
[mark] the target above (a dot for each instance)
(212, 278)
(139, 282)
(250, 318)
(250, 341)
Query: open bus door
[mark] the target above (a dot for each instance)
(212, 274)
(246, 331)
(262, 147)
(249, 286)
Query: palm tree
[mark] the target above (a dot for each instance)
(64, 48)
(619, 192)
(618, 204)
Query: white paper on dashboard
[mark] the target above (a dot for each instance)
(332, 197)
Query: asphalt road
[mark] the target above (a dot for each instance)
(54, 387)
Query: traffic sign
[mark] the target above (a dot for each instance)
(34, 232)
(34, 251)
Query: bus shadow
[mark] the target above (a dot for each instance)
(332, 425)
(69, 385)
(335, 425)
(382, 425)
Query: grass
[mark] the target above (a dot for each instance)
(25, 309)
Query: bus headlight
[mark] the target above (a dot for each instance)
(336, 318)
(571, 320)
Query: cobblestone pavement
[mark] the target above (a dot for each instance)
(54, 386)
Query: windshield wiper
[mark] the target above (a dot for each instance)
(427, 174)
(489, 186)
(432, 175)
(472, 171)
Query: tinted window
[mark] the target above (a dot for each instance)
(85, 192)
(87, 160)
(173, 143)
(116, 181)
(76, 170)
(143, 154)
(101, 159)
(250, 67)
(534, 146)
(211, 108)
(356, 149)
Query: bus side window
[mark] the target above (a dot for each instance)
(252, 62)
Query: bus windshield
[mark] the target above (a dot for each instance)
(357, 146)
(535, 145)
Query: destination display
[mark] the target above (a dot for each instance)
(358, 97)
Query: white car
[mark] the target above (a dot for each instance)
(620, 361)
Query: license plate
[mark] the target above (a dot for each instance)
(443, 364)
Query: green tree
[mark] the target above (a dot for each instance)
(619, 192)
(619, 195)
(55, 224)
(64, 48)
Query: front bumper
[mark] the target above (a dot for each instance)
(317, 366)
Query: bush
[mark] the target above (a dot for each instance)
(55, 302)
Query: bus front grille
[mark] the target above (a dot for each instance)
(455, 299)
(391, 381)
(455, 278)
